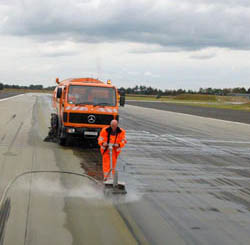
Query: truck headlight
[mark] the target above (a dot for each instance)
(70, 130)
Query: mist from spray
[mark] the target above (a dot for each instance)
(52, 187)
(72, 188)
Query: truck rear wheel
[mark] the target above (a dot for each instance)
(54, 121)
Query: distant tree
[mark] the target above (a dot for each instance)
(1, 86)
(217, 91)
(149, 91)
(209, 91)
(243, 90)
(38, 87)
(122, 88)
(136, 89)
(226, 91)
(142, 89)
(202, 91)
(190, 91)
(167, 92)
(239, 90)
(14, 86)
(180, 91)
(129, 91)
(50, 88)
(174, 92)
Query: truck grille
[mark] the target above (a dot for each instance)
(83, 118)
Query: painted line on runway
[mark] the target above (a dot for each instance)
(11, 97)
(225, 141)
(210, 118)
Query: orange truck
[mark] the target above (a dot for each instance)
(83, 107)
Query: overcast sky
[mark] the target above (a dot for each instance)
(163, 43)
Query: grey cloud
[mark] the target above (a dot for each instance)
(173, 25)
(148, 49)
(203, 56)
(58, 54)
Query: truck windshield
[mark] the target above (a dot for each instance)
(91, 95)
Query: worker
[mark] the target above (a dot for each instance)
(111, 135)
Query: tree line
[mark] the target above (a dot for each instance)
(148, 90)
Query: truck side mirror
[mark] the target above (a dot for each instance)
(122, 100)
(59, 93)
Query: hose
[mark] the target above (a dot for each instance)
(6, 189)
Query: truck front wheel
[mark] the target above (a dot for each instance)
(62, 137)
(62, 141)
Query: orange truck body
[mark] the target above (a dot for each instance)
(85, 117)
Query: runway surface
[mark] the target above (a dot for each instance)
(4, 95)
(187, 181)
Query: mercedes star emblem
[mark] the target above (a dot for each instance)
(91, 118)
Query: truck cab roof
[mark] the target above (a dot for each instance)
(84, 81)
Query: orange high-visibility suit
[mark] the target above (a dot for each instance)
(107, 136)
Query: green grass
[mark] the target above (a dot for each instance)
(212, 101)
(196, 97)
(181, 97)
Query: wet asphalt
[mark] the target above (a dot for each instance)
(187, 179)
(223, 114)
(194, 172)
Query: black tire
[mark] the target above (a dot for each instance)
(54, 121)
(61, 138)
(53, 126)
(62, 141)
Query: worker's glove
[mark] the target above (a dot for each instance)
(105, 144)
(116, 145)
